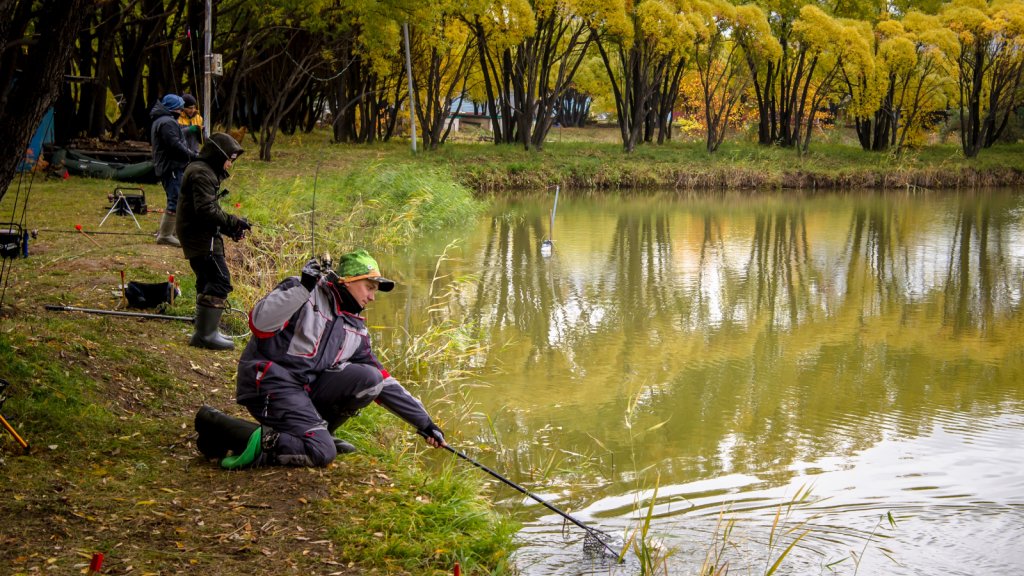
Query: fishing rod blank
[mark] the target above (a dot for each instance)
(36, 231)
(57, 308)
(231, 330)
(7, 425)
(592, 533)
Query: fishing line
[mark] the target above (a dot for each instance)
(307, 72)
(312, 214)
(191, 53)
(170, 60)
(5, 268)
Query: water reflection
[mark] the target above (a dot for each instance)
(738, 347)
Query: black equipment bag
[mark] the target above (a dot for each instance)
(125, 199)
(11, 238)
(151, 295)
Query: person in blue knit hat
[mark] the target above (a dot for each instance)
(170, 156)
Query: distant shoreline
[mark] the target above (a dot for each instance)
(487, 168)
(750, 180)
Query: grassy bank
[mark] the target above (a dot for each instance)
(686, 166)
(107, 402)
(592, 158)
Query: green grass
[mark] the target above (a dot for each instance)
(107, 402)
(416, 522)
(446, 518)
(592, 158)
(101, 409)
(737, 165)
(53, 391)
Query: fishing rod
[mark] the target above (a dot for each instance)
(7, 425)
(231, 331)
(592, 533)
(312, 213)
(325, 261)
(58, 308)
(36, 231)
(5, 267)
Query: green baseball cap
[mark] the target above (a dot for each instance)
(358, 265)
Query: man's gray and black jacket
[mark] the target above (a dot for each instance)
(298, 334)
(170, 150)
(200, 217)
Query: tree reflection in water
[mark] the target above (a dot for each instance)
(771, 334)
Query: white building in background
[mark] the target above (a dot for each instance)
(464, 114)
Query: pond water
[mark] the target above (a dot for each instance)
(701, 357)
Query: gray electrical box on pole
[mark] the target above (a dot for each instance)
(215, 64)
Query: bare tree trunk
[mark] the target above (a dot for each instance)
(972, 79)
(23, 106)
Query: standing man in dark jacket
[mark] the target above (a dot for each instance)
(170, 155)
(307, 369)
(200, 225)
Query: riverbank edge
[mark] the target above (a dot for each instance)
(739, 166)
(497, 180)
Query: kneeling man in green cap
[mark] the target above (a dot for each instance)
(307, 369)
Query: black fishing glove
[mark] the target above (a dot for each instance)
(241, 225)
(432, 431)
(310, 274)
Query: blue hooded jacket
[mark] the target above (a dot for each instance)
(170, 150)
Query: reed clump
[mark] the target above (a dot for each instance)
(449, 520)
(333, 210)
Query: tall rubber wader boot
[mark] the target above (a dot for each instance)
(206, 335)
(166, 235)
(220, 433)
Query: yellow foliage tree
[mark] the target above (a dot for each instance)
(987, 57)
(834, 47)
(441, 46)
(529, 52)
(908, 84)
(727, 39)
(643, 48)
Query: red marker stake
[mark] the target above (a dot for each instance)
(97, 563)
(79, 228)
(458, 570)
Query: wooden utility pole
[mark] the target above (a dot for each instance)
(412, 93)
(207, 70)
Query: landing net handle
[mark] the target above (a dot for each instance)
(234, 323)
(3, 421)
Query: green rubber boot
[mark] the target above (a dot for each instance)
(248, 457)
(220, 434)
